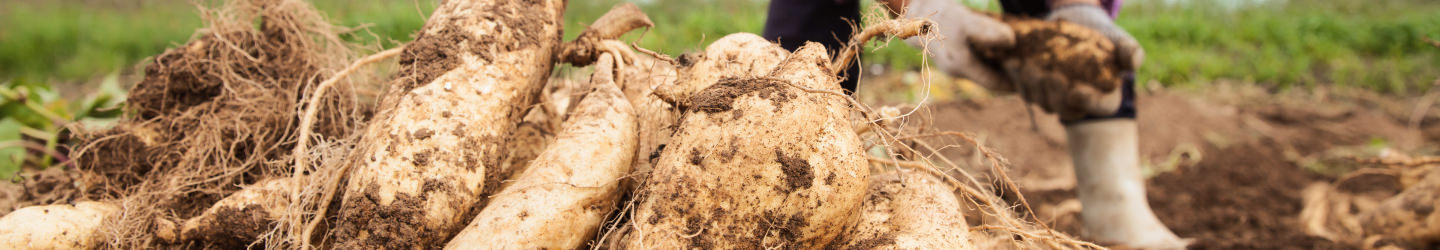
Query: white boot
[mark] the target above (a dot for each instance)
(1107, 173)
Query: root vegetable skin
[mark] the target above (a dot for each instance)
(531, 137)
(1075, 55)
(465, 83)
(1076, 63)
(592, 42)
(54, 226)
(756, 162)
(562, 198)
(242, 217)
(656, 117)
(914, 211)
(1410, 215)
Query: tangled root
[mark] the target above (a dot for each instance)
(218, 113)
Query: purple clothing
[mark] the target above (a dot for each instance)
(1112, 7)
(1040, 8)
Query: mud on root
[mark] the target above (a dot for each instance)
(218, 113)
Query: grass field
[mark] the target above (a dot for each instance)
(1371, 44)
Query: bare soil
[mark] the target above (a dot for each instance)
(1238, 157)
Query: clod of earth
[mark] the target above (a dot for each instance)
(215, 114)
(241, 218)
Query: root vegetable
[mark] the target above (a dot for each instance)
(756, 162)
(637, 77)
(534, 133)
(1410, 215)
(1065, 56)
(561, 199)
(1334, 211)
(54, 226)
(913, 211)
(241, 218)
(532, 136)
(655, 116)
(599, 38)
(218, 113)
(464, 84)
(1077, 55)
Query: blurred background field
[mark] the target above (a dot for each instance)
(71, 60)
(1376, 45)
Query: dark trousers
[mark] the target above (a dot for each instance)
(794, 22)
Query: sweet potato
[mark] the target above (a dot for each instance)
(1410, 215)
(1064, 56)
(656, 117)
(561, 199)
(913, 211)
(54, 226)
(463, 85)
(757, 162)
(536, 131)
(242, 217)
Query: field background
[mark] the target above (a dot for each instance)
(64, 61)
(1245, 103)
(1372, 44)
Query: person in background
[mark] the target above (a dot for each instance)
(1103, 145)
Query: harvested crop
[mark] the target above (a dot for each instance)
(756, 161)
(1063, 57)
(1374, 207)
(55, 226)
(241, 218)
(438, 139)
(656, 117)
(1410, 215)
(216, 114)
(599, 38)
(561, 199)
(908, 211)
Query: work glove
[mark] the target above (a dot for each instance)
(1038, 84)
(961, 28)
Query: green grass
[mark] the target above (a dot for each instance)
(70, 41)
(1370, 44)
(685, 26)
(1374, 45)
(680, 26)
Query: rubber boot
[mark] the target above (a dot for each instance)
(1110, 187)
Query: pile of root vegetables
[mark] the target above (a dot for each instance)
(1389, 204)
(266, 130)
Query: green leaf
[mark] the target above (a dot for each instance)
(22, 114)
(105, 102)
(10, 157)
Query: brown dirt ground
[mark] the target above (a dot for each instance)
(1244, 191)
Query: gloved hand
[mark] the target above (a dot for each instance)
(960, 28)
(1095, 18)
(1039, 83)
